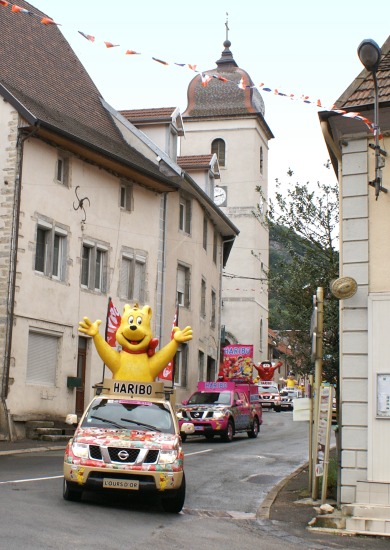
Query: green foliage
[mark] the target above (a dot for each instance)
(303, 227)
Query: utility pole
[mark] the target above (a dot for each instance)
(319, 302)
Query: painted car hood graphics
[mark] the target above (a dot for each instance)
(126, 438)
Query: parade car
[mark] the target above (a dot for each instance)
(287, 396)
(128, 439)
(222, 408)
(269, 397)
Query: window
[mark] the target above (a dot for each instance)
(218, 147)
(126, 197)
(62, 170)
(213, 308)
(133, 275)
(203, 299)
(94, 266)
(200, 366)
(183, 286)
(181, 365)
(185, 215)
(261, 160)
(205, 225)
(42, 359)
(215, 246)
(50, 250)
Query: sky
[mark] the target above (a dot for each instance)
(305, 48)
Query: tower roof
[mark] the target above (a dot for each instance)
(220, 97)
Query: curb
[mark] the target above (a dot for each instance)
(32, 450)
(264, 509)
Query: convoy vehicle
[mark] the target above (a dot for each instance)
(128, 439)
(287, 397)
(269, 396)
(222, 408)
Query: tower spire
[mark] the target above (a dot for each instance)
(227, 26)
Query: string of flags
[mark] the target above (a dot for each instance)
(205, 77)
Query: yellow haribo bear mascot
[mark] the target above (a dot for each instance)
(137, 360)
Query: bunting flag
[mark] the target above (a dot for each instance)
(112, 323)
(206, 78)
(87, 36)
(169, 372)
(48, 21)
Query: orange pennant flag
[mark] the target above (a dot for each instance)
(4, 3)
(48, 21)
(18, 9)
(110, 45)
(132, 52)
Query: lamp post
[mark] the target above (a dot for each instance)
(370, 55)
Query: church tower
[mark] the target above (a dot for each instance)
(225, 115)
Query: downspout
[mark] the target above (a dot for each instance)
(163, 266)
(10, 299)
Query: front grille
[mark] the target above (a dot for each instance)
(197, 415)
(151, 457)
(95, 452)
(115, 452)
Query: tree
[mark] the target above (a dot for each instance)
(305, 224)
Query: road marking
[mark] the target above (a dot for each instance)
(198, 452)
(28, 480)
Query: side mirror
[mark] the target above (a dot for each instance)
(239, 402)
(71, 419)
(184, 402)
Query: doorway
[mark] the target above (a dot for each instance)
(81, 364)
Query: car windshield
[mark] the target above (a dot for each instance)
(126, 414)
(210, 398)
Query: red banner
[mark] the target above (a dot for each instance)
(112, 323)
(168, 372)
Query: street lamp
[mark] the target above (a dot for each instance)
(370, 55)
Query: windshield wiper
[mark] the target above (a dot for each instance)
(108, 421)
(153, 428)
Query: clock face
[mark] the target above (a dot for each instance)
(219, 195)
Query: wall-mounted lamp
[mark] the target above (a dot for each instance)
(370, 55)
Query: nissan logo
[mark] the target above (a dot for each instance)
(123, 455)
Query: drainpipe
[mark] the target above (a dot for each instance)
(10, 299)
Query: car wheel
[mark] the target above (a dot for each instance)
(254, 431)
(277, 409)
(209, 436)
(174, 504)
(229, 433)
(183, 437)
(70, 492)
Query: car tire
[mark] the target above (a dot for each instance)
(209, 436)
(174, 504)
(254, 431)
(183, 437)
(71, 492)
(277, 409)
(228, 435)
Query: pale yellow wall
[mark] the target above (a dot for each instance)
(379, 227)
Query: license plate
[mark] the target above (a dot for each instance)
(120, 484)
(199, 428)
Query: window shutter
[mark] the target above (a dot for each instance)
(42, 358)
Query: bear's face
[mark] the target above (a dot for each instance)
(134, 333)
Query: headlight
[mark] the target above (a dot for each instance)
(219, 414)
(80, 450)
(179, 415)
(167, 457)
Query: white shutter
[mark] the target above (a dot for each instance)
(42, 359)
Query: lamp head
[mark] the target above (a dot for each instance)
(369, 54)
